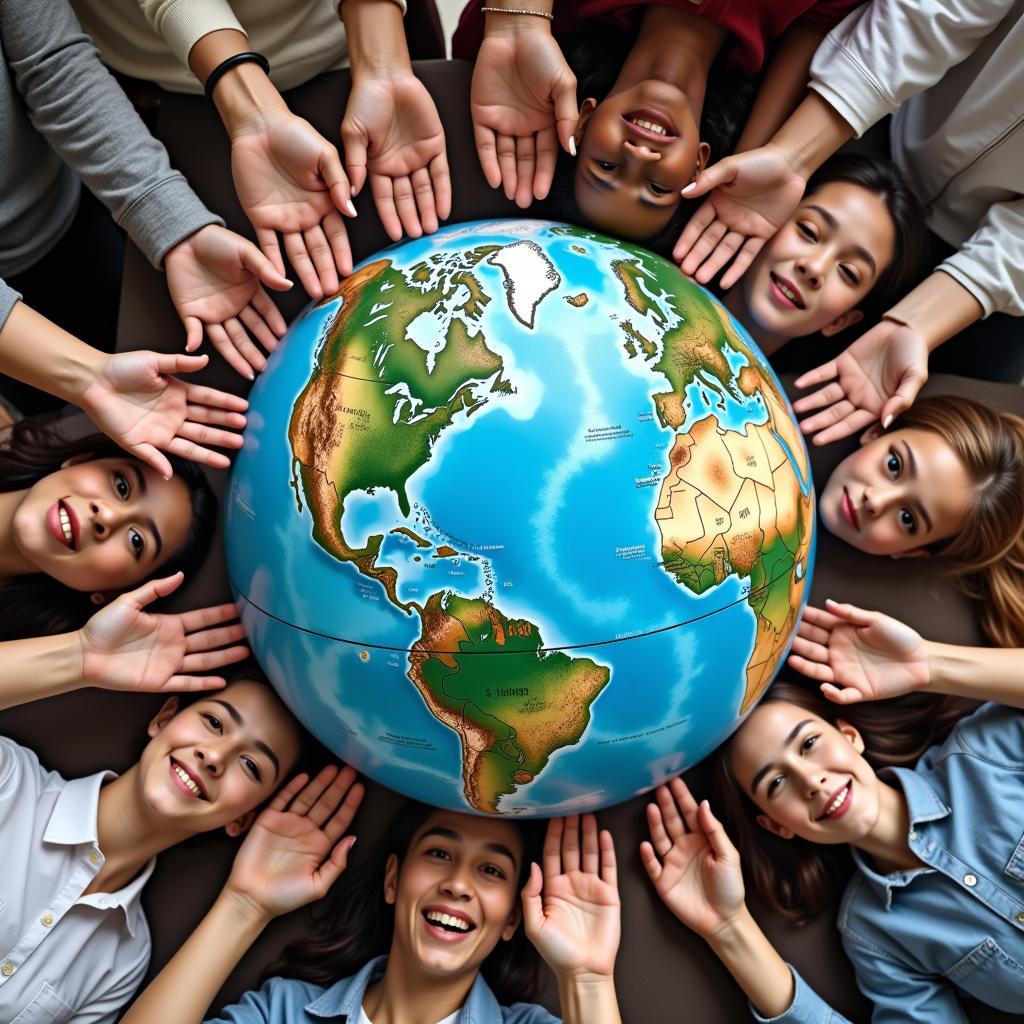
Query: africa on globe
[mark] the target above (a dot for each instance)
(523, 523)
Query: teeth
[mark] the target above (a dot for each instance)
(65, 525)
(187, 779)
(788, 292)
(840, 797)
(447, 921)
(641, 122)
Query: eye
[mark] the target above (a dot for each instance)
(807, 230)
(658, 190)
(849, 274)
(809, 743)
(253, 768)
(121, 486)
(438, 853)
(893, 462)
(606, 165)
(138, 543)
(213, 722)
(907, 520)
(493, 871)
(773, 786)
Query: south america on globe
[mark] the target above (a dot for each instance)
(523, 523)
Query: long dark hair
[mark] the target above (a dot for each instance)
(39, 605)
(596, 53)
(355, 924)
(882, 178)
(794, 877)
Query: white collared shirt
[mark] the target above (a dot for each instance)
(63, 956)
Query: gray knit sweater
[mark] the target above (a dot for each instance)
(64, 118)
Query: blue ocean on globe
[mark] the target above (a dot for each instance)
(522, 523)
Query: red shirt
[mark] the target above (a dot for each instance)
(752, 24)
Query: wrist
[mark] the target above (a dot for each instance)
(509, 17)
(936, 309)
(247, 100)
(242, 912)
(734, 935)
(585, 995)
(811, 135)
(375, 34)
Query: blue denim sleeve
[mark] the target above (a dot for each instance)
(527, 1013)
(807, 1007)
(898, 992)
(279, 1001)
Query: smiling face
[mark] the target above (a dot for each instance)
(808, 777)
(813, 272)
(104, 524)
(213, 763)
(898, 494)
(455, 893)
(637, 149)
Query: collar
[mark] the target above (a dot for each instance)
(923, 805)
(73, 823)
(345, 998)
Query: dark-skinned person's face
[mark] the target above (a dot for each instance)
(637, 149)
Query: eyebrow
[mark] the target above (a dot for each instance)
(258, 744)
(857, 250)
(912, 462)
(450, 833)
(140, 483)
(768, 767)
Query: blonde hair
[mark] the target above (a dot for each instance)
(987, 556)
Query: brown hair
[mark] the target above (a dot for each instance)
(795, 877)
(987, 556)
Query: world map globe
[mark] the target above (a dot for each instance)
(523, 523)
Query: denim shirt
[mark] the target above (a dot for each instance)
(287, 1001)
(915, 937)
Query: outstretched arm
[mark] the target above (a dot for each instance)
(124, 647)
(861, 655)
(571, 914)
(296, 851)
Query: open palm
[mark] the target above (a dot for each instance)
(859, 655)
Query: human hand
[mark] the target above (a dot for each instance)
(876, 378)
(290, 181)
(297, 848)
(132, 398)
(216, 278)
(124, 647)
(858, 655)
(523, 105)
(692, 862)
(392, 131)
(751, 196)
(571, 909)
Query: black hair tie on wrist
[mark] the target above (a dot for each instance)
(250, 56)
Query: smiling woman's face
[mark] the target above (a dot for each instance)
(637, 149)
(104, 524)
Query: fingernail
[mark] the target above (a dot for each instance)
(252, 376)
(350, 209)
(886, 422)
(690, 187)
(167, 478)
(572, 145)
(352, 189)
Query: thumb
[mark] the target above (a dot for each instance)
(171, 363)
(910, 385)
(567, 114)
(152, 456)
(722, 173)
(533, 905)
(263, 267)
(149, 592)
(353, 141)
(850, 612)
(193, 333)
(331, 871)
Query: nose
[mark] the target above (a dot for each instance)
(456, 885)
(641, 153)
(878, 498)
(210, 760)
(814, 779)
(103, 519)
(812, 266)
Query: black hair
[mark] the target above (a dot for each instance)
(38, 605)
(596, 53)
(881, 177)
(355, 924)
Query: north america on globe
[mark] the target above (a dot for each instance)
(527, 524)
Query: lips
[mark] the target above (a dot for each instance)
(650, 124)
(188, 780)
(838, 803)
(447, 924)
(848, 510)
(786, 293)
(63, 524)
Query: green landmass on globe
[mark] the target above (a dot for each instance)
(376, 403)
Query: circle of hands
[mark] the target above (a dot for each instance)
(523, 105)
(571, 909)
(125, 647)
(692, 862)
(392, 133)
(859, 655)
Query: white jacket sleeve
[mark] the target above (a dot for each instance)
(182, 23)
(889, 50)
(990, 264)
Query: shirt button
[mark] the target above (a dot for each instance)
(8, 969)
(1020, 917)
(94, 857)
(47, 919)
(913, 834)
(970, 880)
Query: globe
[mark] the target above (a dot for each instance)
(522, 523)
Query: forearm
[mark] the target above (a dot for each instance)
(755, 965)
(938, 308)
(783, 87)
(981, 673)
(376, 38)
(813, 132)
(39, 667)
(589, 999)
(182, 992)
(38, 352)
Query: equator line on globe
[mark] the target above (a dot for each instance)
(523, 522)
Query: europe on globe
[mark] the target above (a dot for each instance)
(523, 523)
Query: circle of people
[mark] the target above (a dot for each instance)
(708, 135)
